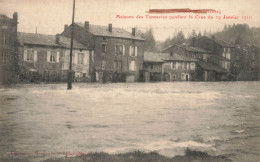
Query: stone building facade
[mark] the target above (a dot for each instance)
(46, 58)
(172, 66)
(8, 50)
(118, 54)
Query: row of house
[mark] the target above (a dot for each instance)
(215, 60)
(108, 54)
(99, 54)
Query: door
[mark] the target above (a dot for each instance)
(187, 77)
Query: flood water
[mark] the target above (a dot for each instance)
(220, 118)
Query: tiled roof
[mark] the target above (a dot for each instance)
(153, 57)
(196, 49)
(47, 40)
(210, 67)
(65, 42)
(177, 57)
(156, 57)
(103, 31)
(222, 42)
(36, 39)
(188, 48)
(220, 57)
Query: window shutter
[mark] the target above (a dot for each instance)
(123, 49)
(35, 56)
(92, 55)
(25, 55)
(48, 56)
(135, 50)
(58, 57)
(86, 55)
(130, 50)
(75, 58)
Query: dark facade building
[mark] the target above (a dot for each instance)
(248, 62)
(207, 70)
(8, 50)
(173, 67)
(222, 52)
(46, 58)
(118, 54)
(153, 66)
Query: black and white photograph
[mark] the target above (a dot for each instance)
(129, 81)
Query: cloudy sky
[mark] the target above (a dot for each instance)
(49, 16)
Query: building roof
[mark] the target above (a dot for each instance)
(153, 57)
(220, 57)
(210, 67)
(177, 57)
(162, 57)
(196, 49)
(189, 48)
(98, 30)
(4, 17)
(47, 40)
(222, 42)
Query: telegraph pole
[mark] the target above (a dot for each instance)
(71, 47)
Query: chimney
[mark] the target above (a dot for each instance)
(15, 17)
(110, 27)
(86, 25)
(193, 41)
(57, 38)
(66, 26)
(133, 31)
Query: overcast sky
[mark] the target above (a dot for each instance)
(49, 16)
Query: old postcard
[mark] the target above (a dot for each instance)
(130, 80)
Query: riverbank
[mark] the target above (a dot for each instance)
(135, 156)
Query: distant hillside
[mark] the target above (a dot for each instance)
(246, 34)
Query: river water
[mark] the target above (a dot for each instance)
(45, 120)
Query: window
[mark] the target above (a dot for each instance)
(119, 49)
(53, 56)
(4, 59)
(185, 65)
(133, 50)
(84, 75)
(204, 56)
(173, 65)
(188, 66)
(92, 55)
(104, 48)
(132, 65)
(151, 66)
(4, 39)
(103, 65)
(192, 66)
(228, 55)
(179, 65)
(119, 65)
(115, 64)
(81, 58)
(30, 55)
